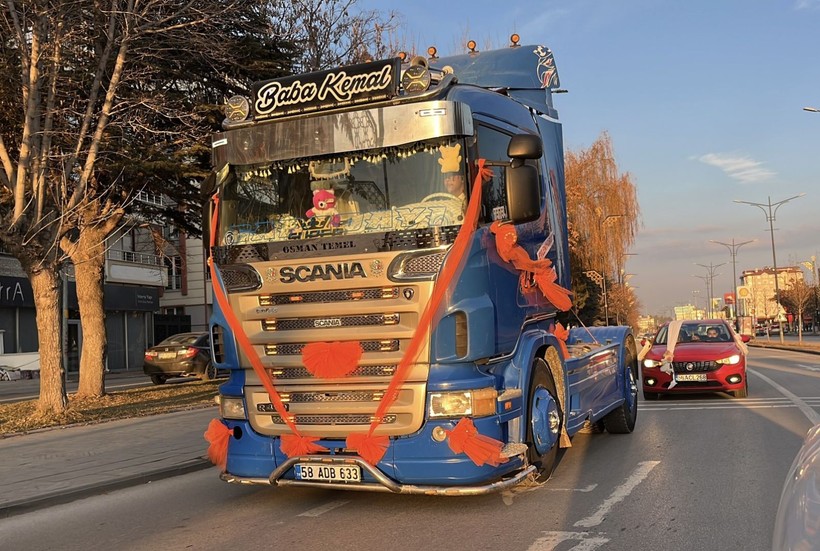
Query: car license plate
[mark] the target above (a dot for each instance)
(167, 355)
(681, 377)
(328, 473)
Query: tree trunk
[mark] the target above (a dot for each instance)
(46, 285)
(89, 261)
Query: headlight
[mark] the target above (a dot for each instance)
(232, 408)
(651, 363)
(731, 360)
(475, 403)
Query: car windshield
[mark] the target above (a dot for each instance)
(183, 338)
(357, 193)
(697, 332)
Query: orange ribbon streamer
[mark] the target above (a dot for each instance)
(360, 442)
(481, 449)
(561, 332)
(217, 436)
(506, 243)
(248, 349)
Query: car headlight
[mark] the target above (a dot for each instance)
(232, 408)
(475, 403)
(731, 360)
(651, 363)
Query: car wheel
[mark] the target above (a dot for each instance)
(158, 379)
(743, 392)
(651, 395)
(622, 420)
(209, 373)
(544, 421)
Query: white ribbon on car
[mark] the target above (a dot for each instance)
(672, 332)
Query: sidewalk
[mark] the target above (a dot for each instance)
(60, 465)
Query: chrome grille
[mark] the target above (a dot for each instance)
(292, 349)
(424, 264)
(681, 367)
(240, 278)
(302, 373)
(329, 397)
(330, 296)
(331, 419)
(290, 324)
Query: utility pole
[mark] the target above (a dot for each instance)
(770, 217)
(733, 250)
(710, 285)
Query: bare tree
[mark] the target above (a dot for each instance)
(69, 123)
(330, 33)
(797, 299)
(603, 213)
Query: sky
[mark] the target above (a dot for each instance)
(703, 101)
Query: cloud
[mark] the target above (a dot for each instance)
(807, 4)
(743, 169)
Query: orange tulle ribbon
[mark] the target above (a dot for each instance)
(217, 436)
(331, 360)
(506, 243)
(561, 332)
(369, 447)
(293, 445)
(465, 438)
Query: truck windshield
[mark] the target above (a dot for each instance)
(418, 186)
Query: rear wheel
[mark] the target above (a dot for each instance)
(209, 372)
(158, 379)
(544, 420)
(622, 420)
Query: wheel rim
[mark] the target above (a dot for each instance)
(546, 421)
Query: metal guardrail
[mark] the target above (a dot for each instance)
(136, 258)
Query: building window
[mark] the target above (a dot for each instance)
(173, 266)
(174, 310)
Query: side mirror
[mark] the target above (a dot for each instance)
(523, 187)
(745, 338)
(523, 194)
(525, 146)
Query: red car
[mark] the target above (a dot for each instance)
(707, 356)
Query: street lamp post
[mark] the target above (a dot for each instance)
(770, 217)
(710, 285)
(707, 309)
(733, 250)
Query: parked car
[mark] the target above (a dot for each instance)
(708, 356)
(797, 524)
(181, 355)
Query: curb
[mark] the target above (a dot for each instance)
(57, 498)
(777, 346)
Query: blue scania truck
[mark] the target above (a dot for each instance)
(331, 235)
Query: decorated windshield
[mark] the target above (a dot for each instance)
(419, 186)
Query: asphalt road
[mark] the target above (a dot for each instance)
(702, 472)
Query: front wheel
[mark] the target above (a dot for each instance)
(544, 421)
(743, 392)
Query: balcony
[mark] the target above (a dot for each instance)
(135, 268)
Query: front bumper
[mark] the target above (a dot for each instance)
(414, 464)
(716, 381)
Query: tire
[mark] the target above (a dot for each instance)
(651, 395)
(743, 392)
(544, 416)
(209, 373)
(158, 379)
(622, 420)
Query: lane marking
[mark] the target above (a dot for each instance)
(812, 415)
(585, 489)
(551, 540)
(315, 512)
(619, 494)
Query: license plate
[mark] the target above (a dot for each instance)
(328, 473)
(700, 377)
(167, 355)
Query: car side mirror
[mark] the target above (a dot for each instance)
(745, 338)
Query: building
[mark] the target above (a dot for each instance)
(759, 297)
(688, 312)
